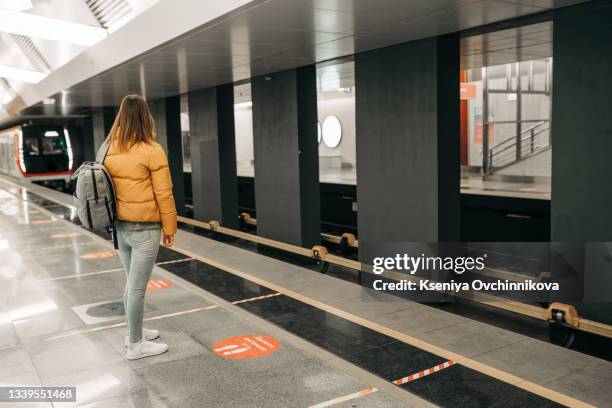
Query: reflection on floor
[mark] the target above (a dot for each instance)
(469, 185)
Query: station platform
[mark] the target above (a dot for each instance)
(314, 340)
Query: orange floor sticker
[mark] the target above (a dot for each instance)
(98, 255)
(157, 284)
(65, 235)
(249, 346)
(42, 221)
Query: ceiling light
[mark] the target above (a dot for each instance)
(16, 5)
(47, 28)
(20, 74)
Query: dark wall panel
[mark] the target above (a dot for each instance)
(85, 142)
(167, 116)
(582, 134)
(102, 121)
(286, 156)
(582, 125)
(213, 155)
(407, 117)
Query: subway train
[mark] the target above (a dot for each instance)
(40, 153)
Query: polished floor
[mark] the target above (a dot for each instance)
(62, 324)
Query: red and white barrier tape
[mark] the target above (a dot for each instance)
(371, 390)
(236, 302)
(423, 373)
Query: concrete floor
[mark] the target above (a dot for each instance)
(327, 352)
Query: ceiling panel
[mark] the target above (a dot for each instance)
(282, 34)
(506, 46)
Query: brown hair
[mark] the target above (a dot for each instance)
(133, 123)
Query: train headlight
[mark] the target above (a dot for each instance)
(68, 149)
(20, 152)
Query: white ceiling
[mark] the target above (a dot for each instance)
(271, 35)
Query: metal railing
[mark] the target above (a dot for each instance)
(513, 150)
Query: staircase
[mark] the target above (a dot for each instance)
(532, 141)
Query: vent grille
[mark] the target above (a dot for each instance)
(109, 12)
(31, 52)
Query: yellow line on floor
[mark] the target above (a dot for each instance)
(450, 355)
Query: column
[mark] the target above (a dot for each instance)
(102, 121)
(286, 156)
(213, 155)
(167, 115)
(582, 125)
(408, 144)
(582, 147)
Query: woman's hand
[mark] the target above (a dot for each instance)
(167, 240)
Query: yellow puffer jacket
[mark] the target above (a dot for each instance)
(143, 185)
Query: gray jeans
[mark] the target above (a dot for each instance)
(138, 246)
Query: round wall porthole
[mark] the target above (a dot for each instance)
(332, 131)
(318, 132)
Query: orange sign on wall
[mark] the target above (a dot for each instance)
(249, 346)
(467, 91)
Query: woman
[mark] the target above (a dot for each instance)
(145, 212)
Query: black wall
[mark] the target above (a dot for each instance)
(286, 156)
(582, 134)
(213, 155)
(407, 122)
(582, 124)
(166, 113)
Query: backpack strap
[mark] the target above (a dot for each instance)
(103, 151)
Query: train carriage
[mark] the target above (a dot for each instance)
(41, 153)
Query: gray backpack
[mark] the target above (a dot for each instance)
(94, 195)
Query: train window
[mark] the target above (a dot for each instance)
(52, 145)
(30, 145)
(43, 141)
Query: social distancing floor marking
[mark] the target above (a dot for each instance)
(371, 390)
(173, 261)
(35, 249)
(98, 255)
(344, 398)
(156, 284)
(424, 373)
(39, 222)
(246, 347)
(164, 316)
(65, 235)
(80, 275)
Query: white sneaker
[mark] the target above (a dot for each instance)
(147, 334)
(145, 348)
